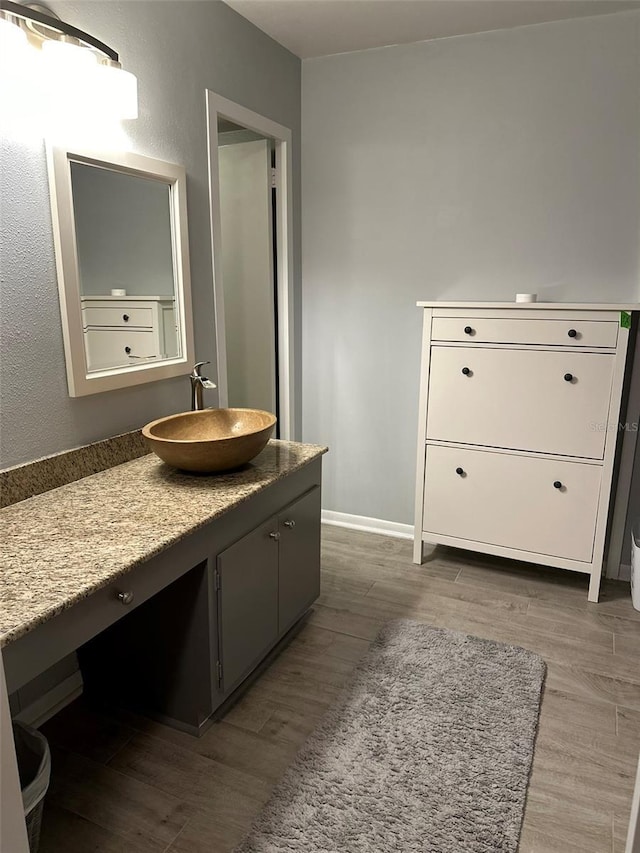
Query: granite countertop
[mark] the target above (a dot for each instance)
(58, 547)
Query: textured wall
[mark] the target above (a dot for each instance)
(465, 168)
(177, 49)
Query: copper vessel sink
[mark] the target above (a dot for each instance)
(210, 440)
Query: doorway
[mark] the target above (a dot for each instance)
(250, 198)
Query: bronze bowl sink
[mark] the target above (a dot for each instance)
(210, 440)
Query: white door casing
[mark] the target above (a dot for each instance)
(217, 106)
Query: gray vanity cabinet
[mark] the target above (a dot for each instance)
(247, 581)
(265, 582)
(299, 553)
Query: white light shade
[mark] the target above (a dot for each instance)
(20, 91)
(61, 56)
(67, 78)
(116, 92)
(13, 41)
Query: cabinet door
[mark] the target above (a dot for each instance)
(248, 573)
(540, 505)
(115, 348)
(543, 401)
(299, 576)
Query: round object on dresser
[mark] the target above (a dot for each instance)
(526, 297)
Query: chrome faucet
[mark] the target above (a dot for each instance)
(199, 382)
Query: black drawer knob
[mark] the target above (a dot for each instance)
(468, 330)
(125, 317)
(572, 333)
(127, 350)
(568, 377)
(460, 472)
(557, 484)
(466, 371)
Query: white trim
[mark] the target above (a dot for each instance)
(554, 307)
(633, 835)
(219, 106)
(80, 381)
(367, 525)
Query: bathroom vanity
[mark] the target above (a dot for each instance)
(173, 587)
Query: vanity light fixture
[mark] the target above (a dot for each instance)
(71, 64)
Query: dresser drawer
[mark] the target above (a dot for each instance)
(511, 501)
(584, 333)
(117, 316)
(520, 399)
(107, 348)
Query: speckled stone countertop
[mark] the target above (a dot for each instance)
(58, 547)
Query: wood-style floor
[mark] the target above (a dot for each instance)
(123, 783)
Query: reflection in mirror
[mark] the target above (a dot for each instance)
(247, 217)
(123, 269)
(126, 267)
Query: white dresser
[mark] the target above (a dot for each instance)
(518, 425)
(120, 330)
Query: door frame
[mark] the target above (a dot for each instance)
(217, 106)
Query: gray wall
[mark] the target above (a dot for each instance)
(177, 50)
(466, 168)
(123, 232)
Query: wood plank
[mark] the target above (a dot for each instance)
(115, 801)
(65, 832)
(204, 784)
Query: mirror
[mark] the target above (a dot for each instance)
(120, 232)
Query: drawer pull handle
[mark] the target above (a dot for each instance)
(557, 484)
(468, 330)
(127, 350)
(125, 597)
(572, 333)
(568, 377)
(466, 371)
(290, 523)
(275, 535)
(460, 472)
(125, 317)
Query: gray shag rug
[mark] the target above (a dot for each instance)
(429, 749)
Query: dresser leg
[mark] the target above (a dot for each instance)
(594, 584)
(417, 550)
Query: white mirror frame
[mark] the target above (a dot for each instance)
(82, 382)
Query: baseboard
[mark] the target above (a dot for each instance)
(367, 525)
(624, 572)
(54, 700)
